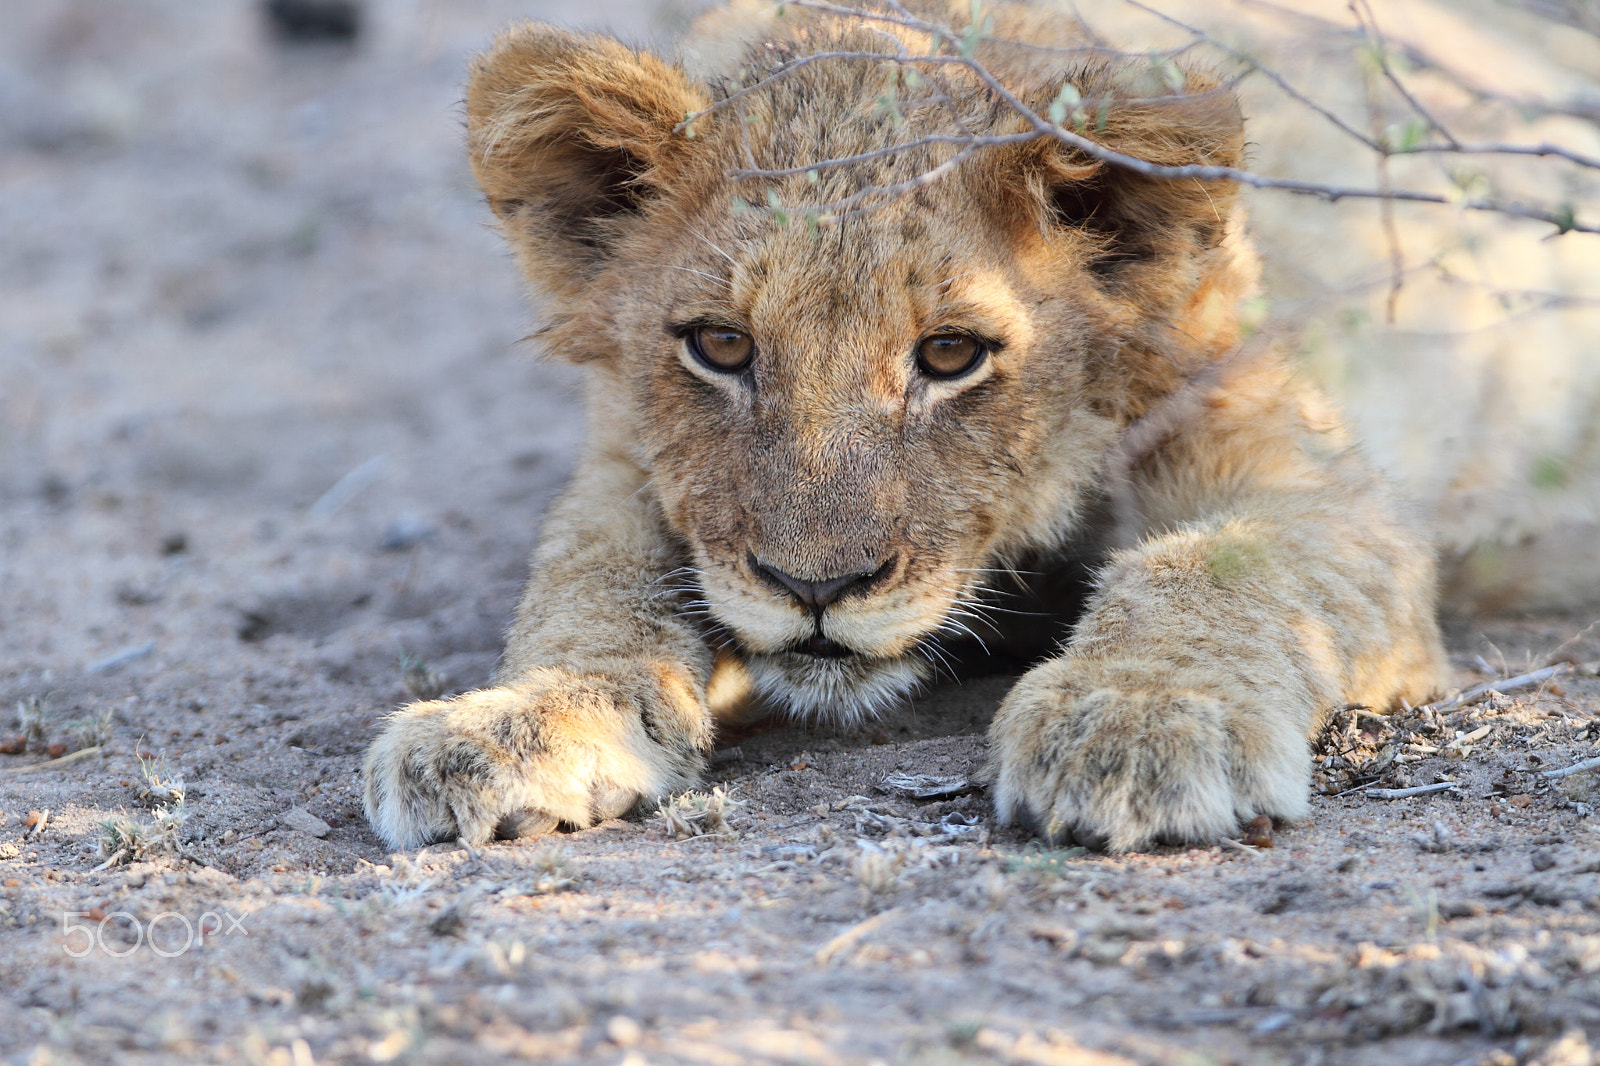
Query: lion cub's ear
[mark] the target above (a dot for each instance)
(568, 135)
(1133, 219)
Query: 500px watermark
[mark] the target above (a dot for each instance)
(168, 934)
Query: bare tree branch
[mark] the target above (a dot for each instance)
(1369, 28)
(1271, 75)
(1453, 145)
(964, 141)
(1563, 219)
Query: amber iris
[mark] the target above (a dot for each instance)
(721, 348)
(949, 355)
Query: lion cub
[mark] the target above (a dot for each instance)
(822, 427)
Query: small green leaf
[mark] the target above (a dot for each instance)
(1171, 75)
(1466, 183)
(1065, 103)
(1405, 138)
(1550, 472)
(975, 30)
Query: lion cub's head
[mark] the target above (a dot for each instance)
(857, 388)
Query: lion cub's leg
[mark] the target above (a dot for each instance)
(1207, 658)
(599, 702)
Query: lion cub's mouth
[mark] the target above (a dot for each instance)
(820, 647)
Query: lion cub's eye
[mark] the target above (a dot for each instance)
(949, 355)
(721, 348)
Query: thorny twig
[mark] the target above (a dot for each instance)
(1368, 24)
(1265, 71)
(1563, 219)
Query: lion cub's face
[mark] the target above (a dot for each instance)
(842, 422)
(848, 422)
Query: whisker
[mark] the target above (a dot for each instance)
(954, 625)
(713, 246)
(724, 282)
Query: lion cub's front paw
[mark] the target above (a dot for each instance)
(1119, 758)
(556, 747)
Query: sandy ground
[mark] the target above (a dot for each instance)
(267, 436)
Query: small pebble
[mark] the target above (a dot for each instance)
(13, 745)
(303, 820)
(450, 922)
(311, 21)
(623, 1031)
(1543, 859)
(405, 531)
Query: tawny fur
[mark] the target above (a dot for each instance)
(1263, 577)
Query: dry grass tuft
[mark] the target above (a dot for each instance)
(421, 679)
(91, 731)
(700, 814)
(553, 871)
(32, 719)
(159, 790)
(877, 871)
(125, 840)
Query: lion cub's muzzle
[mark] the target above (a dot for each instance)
(817, 596)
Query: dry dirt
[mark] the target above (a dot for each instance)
(267, 434)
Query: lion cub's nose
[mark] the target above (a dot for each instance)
(815, 596)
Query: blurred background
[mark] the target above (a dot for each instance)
(259, 347)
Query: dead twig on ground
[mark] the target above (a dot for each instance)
(1504, 685)
(854, 935)
(1468, 738)
(51, 764)
(1406, 793)
(1576, 768)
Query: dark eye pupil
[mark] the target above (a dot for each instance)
(949, 354)
(721, 348)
